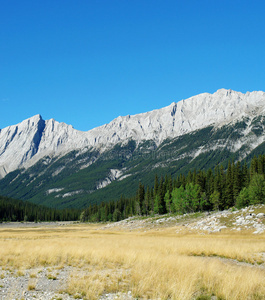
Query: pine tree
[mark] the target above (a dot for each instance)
(190, 177)
(168, 202)
(217, 179)
(245, 175)
(215, 200)
(152, 201)
(170, 184)
(222, 190)
(229, 191)
(140, 197)
(201, 180)
(237, 175)
(209, 183)
(156, 185)
(147, 199)
(257, 189)
(253, 166)
(260, 167)
(161, 194)
(180, 181)
(158, 209)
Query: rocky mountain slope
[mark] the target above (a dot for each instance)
(24, 144)
(64, 167)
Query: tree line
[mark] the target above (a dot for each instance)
(17, 210)
(238, 185)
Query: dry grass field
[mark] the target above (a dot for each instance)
(152, 264)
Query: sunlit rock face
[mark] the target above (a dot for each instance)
(24, 144)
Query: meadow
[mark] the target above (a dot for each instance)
(152, 264)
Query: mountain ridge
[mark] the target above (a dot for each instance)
(62, 167)
(24, 144)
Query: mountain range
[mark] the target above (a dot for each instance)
(51, 163)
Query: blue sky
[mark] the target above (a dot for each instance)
(85, 62)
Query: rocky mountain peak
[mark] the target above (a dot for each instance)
(24, 144)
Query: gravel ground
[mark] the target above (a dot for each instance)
(43, 283)
(35, 225)
(249, 218)
(34, 284)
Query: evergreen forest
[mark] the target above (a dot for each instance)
(24, 211)
(239, 185)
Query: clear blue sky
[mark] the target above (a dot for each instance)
(85, 62)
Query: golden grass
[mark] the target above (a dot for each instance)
(20, 273)
(98, 282)
(155, 264)
(33, 275)
(31, 285)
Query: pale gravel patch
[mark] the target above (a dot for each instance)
(118, 296)
(243, 219)
(36, 224)
(205, 222)
(14, 285)
(231, 261)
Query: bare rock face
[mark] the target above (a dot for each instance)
(24, 144)
(19, 143)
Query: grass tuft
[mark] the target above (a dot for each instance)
(31, 286)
